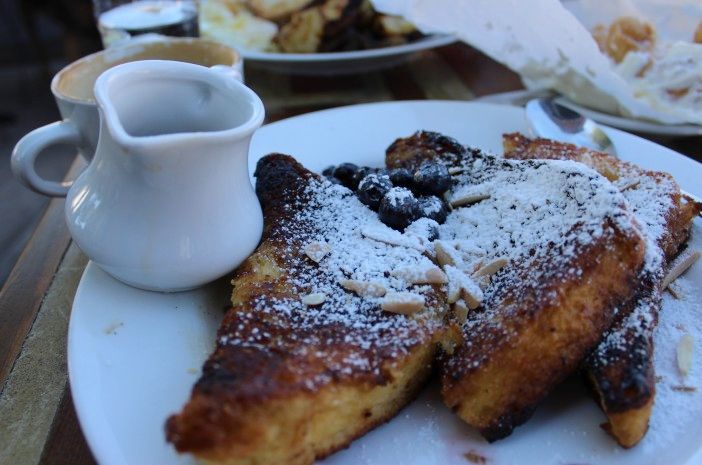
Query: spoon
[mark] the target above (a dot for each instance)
(551, 120)
(554, 121)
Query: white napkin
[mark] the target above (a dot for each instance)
(543, 42)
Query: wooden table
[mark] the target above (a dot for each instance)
(38, 424)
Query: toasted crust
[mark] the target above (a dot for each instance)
(275, 391)
(410, 152)
(296, 428)
(506, 367)
(621, 373)
(539, 319)
(682, 209)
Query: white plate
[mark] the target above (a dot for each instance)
(521, 97)
(343, 62)
(134, 355)
(634, 125)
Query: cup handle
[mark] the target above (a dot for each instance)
(236, 71)
(28, 148)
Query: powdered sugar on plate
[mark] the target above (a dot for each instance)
(677, 397)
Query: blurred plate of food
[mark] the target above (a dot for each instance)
(638, 61)
(314, 37)
(656, 48)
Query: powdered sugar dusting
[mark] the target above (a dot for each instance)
(533, 206)
(359, 249)
(649, 197)
(542, 211)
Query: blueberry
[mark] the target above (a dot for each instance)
(360, 174)
(432, 178)
(433, 233)
(328, 171)
(402, 177)
(345, 173)
(433, 208)
(398, 208)
(372, 189)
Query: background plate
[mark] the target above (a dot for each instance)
(343, 62)
(519, 98)
(634, 125)
(134, 355)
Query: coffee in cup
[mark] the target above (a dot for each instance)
(73, 90)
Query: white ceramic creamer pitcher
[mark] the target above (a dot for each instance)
(167, 203)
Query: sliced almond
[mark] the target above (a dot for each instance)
(446, 254)
(471, 292)
(462, 286)
(674, 291)
(684, 352)
(418, 275)
(313, 299)
(491, 268)
(405, 303)
(680, 265)
(463, 200)
(460, 311)
(472, 268)
(316, 251)
(392, 237)
(472, 295)
(629, 185)
(433, 275)
(453, 292)
(363, 288)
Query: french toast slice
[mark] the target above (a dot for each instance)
(569, 252)
(302, 366)
(620, 369)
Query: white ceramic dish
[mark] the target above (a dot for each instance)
(520, 97)
(343, 62)
(134, 355)
(635, 125)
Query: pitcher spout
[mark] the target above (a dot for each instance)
(156, 102)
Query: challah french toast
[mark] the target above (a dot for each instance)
(323, 342)
(336, 317)
(567, 253)
(621, 368)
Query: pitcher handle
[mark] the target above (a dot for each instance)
(28, 148)
(236, 71)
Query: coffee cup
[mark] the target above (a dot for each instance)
(73, 90)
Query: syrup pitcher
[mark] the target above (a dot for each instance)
(167, 202)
